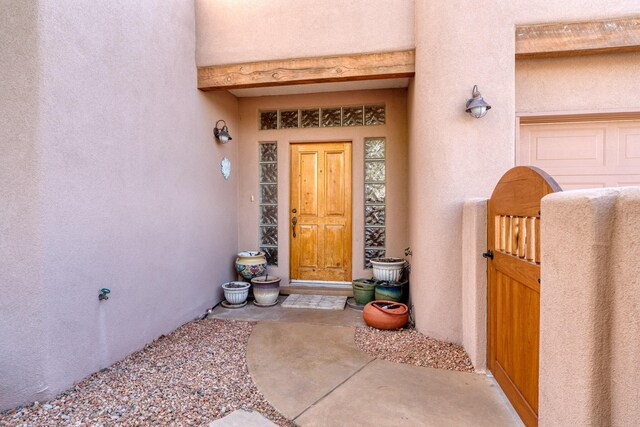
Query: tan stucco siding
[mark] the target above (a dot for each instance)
(232, 31)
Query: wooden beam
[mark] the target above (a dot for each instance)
(368, 66)
(578, 38)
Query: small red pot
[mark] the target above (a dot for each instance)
(382, 314)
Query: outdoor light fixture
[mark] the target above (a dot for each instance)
(476, 106)
(222, 134)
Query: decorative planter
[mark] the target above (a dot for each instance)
(364, 290)
(251, 264)
(266, 290)
(392, 291)
(388, 268)
(236, 292)
(385, 314)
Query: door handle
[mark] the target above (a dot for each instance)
(488, 254)
(294, 221)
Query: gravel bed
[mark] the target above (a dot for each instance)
(192, 376)
(411, 347)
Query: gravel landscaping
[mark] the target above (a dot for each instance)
(411, 347)
(192, 376)
(198, 373)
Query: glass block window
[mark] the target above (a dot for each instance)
(292, 118)
(373, 115)
(268, 202)
(268, 120)
(331, 117)
(352, 116)
(289, 119)
(310, 118)
(374, 199)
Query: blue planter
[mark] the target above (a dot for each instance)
(392, 291)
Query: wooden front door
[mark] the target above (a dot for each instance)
(514, 285)
(320, 212)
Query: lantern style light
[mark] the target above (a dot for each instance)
(477, 106)
(222, 134)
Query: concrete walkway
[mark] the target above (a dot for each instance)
(314, 375)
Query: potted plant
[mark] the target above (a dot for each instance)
(386, 314)
(236, 293)
(388, 268)
(266, 290)
(364, 290)
(390, 290)
(251, 264)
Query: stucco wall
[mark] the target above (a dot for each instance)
(453, 156)
(580, 83)
(130, 194)
(474, 281)
(236, 31)
(589, 323)
(21, 302)
(395, 131)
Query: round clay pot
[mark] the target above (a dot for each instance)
(392, 291)
(385, 314)
(251, 264)
(364, 290)
(388, 268)
(236, 292)
(266, 289)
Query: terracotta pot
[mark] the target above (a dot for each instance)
(386, 314)
(266, 289)
(251, 264)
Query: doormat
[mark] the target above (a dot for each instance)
(317, 302)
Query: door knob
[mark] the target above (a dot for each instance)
(294, 221)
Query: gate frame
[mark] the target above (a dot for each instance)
(514, 208)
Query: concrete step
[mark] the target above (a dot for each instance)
(321, 288)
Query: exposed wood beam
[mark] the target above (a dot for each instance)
(368, 66)
(578, 38)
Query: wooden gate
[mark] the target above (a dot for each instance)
(514, 285)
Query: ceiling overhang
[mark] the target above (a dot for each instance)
(323, 69)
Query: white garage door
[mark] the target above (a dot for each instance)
(583, 155)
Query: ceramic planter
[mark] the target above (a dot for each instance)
(236, 292)
(251, 264)
(364, 290)
(266, 290)
(392, 291)
(388, 268)
(385, 314)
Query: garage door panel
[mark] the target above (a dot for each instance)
(581, 182)
(578, 182)
(570, 147)
(628, 181)
(583, 155)
(628, 144)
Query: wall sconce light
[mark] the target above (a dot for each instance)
(476, 106)
(222, 134)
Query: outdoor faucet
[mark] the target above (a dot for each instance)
(104, 294)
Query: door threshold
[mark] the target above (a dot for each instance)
(315, 287)
(319, 283)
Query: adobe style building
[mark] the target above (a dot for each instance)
(111, 176)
